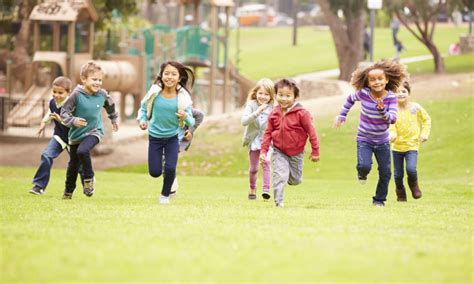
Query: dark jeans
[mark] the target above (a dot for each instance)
(411, 158)
(80, 154)
(364, 165)
(167, 148)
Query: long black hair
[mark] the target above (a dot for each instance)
(186, 75)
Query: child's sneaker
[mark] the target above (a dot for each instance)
(279, 205)
(266, 195)
(174, 188)
(362, 180)
(89, 187)
(378, 204)
(37, 190)
(67, 195)
(164, 199)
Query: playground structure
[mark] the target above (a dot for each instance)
(133, 70)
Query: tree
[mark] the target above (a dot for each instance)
(347, 32)
(419, 17)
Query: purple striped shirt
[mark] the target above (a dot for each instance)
(374, 124)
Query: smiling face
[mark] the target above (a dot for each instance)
(402, 95)
(59, 93)
(93, 82)
(285, 98)
(377, 81)
(170, 77)
(262, 96)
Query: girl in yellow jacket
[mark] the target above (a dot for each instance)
(411, 129)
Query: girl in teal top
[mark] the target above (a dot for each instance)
(164, 109)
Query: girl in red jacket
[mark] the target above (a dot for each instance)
(288, 128)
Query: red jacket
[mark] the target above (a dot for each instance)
(290, 131)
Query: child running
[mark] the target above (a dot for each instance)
(82, 113)
(412, 127)
(255, 117)
(164, 109)
(61, 88)
(289, 126)
(375, 86)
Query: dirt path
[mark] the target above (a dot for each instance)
(22, 153)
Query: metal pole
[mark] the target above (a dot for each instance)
(295, 21)
(471, 15)
(372, 24)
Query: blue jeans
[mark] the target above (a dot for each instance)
(364, 165)
(80, 154)
(411, 158)
(51, 152)
(167, 148)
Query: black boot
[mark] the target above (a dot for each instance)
(401, 194)
(415, 190)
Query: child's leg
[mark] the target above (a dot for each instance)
(253, 168)
(266, 172)
(412, 159)
(155, 156)
(171, 160)
(72, 169)
(84, 155)
(382, 155)
(296, 169)
(281, 172)
(51, 152)
(364, 158)
(398, 172)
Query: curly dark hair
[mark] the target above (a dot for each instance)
(395, 72)
(185, 74)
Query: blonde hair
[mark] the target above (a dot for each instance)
(267, 85)
(394, 71)
(88, 68)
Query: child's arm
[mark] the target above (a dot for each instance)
(186, 116)
(388, 113)
(307, 123)
(392, 132)
(198, 118)
(267, 139)
(109, 106)
(141, 115)
(425, 119)
(67, 110)
(249, 116)
(341, 118)
(46, 120)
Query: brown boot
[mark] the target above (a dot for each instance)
(401, 194)
(415, 190)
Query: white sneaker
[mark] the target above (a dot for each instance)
(174, 187)
(164, 199)
(280, 205)
(362, 180)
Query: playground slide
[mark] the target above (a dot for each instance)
(33, 105)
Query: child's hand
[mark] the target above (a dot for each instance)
(423, 138)
(80, 122)
(337, 123)
(115, 126)
(143, 125)
(188, 135)
(261, 108)
(40, 130)
(55, 116)
(181, 115)
(392, 137)
(314, 158)
(262, 158)
(380, 105)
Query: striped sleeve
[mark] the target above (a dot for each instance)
(351, 99)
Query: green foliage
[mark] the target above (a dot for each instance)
(105, 10)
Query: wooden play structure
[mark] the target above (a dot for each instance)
(133, 69)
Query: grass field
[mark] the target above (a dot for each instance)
(327, 232)
(315, 49)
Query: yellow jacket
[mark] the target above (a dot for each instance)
(412, 122)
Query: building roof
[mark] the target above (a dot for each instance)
(68, 11)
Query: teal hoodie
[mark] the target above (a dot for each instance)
(81, 104)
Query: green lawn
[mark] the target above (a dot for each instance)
(328, 230)
(315, 49)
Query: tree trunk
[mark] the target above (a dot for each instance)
(437, 58)
(20, 54)
(347, 36)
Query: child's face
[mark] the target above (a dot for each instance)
(170, 77)
(402, 95)
(93, 82)
(285, 98)
(262, 96)
(377, 80)
(59, 93)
